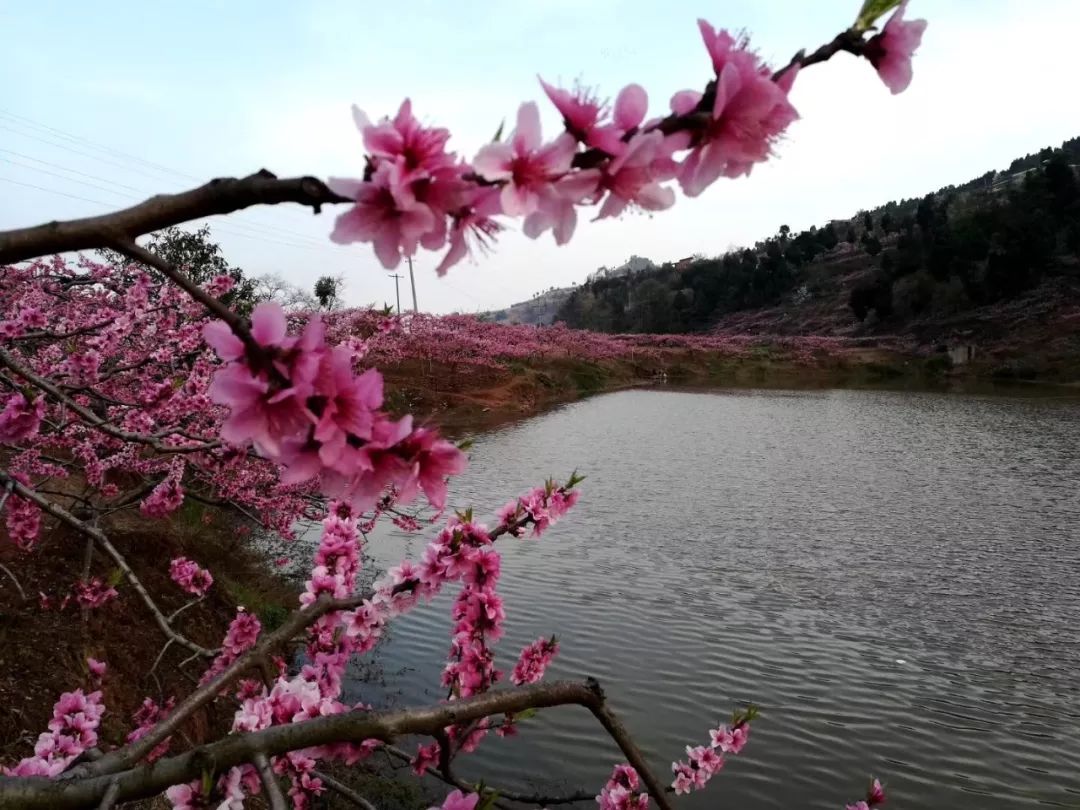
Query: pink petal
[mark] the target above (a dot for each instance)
(493, 161)
(654, 197)
(612, 207)
(788, 79)
(727, 85)
(351, 226)
(565, 223)
(557, 156)
(458, 250)
(576, 186)
(536, 223)
(527, 137)
(685, 102)
(630, 106)
(268, 325)
(221, 338)
(345, 187)
(387, 249)
(360, 117)
(517, 201)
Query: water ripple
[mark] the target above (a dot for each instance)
(891, 577)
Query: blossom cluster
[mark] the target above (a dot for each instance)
(875, 795)
(242, 634)
(148, 715)
(534, 661)
(623, 791)
(93, 593)
(72, 730)
(415, 193)
(703, 762)
(301, 403)
(191, 578)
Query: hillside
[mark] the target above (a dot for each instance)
(987, 271)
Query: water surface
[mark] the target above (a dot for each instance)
(892, 577)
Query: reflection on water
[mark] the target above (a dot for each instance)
(891, 577)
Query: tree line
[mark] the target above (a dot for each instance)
(986, 240)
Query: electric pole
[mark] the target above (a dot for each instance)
(397, 290)
(412, 281)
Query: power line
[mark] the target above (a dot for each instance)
(22, 120)
(66, 169)
(257, 228)
(52, 133)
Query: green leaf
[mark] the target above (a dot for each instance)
(575, 479)
(499, 131)
(871, 11)
(488, 800)
(466, 445)
(115, 577)
(524, 715)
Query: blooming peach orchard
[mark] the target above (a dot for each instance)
(112, 401)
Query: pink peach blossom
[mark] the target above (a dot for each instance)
(890, 51)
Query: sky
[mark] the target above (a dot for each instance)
(105, 103)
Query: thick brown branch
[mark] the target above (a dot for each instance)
(220, 196)
(354, 727)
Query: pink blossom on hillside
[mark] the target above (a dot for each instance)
(145, 718)
(22, 518)
(164, 499)
(97, 668)
(242, 634)
(72, 730)
(93, 593)
(20, 419)
(890, 51)
(190, 576)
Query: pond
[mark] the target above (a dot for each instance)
(892, 577)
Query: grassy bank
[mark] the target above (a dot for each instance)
(457, 396)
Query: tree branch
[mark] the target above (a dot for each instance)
(270, 784)
(343, 790)
(36, 793)
(93, 419)
(99, 537)
(220, 196)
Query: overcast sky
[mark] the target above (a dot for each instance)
(178, 93)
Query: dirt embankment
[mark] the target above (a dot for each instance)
(466, 396)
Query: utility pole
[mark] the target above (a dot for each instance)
(397, 290)
(412, 281)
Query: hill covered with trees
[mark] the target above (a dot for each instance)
(949, 263)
